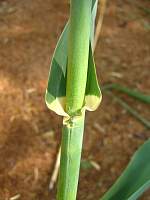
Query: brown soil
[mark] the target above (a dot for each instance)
(30, 133)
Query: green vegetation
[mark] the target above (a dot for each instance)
(135, 179)
(108, 89)
(72, 89)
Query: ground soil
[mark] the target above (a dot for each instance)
(30, 134)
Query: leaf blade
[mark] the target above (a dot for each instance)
(135, 179)
(55, 96)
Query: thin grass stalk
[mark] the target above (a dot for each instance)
(94, 42)
(73, 126)
(131, 92)
(100, 21)
(78, 53)
(71, 147)
(132, 111)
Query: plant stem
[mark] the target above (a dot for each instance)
(78, 52)
(71, 147)
(73, 126)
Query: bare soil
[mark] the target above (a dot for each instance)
(30, 134)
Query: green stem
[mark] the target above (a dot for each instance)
(71, 147)
(72, 136)
(78, 52)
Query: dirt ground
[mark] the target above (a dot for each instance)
(30, 133)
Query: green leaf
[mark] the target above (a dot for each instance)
(93, 93)
(135, 179)
(55, 96)
(130, 109)
(94, 11)
(131, 92)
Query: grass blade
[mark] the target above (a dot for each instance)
(135, 179)
(131, 92)
(55, 96)
(132, 111)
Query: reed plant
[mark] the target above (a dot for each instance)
(72, 89)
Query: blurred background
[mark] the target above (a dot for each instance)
(30, 134)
